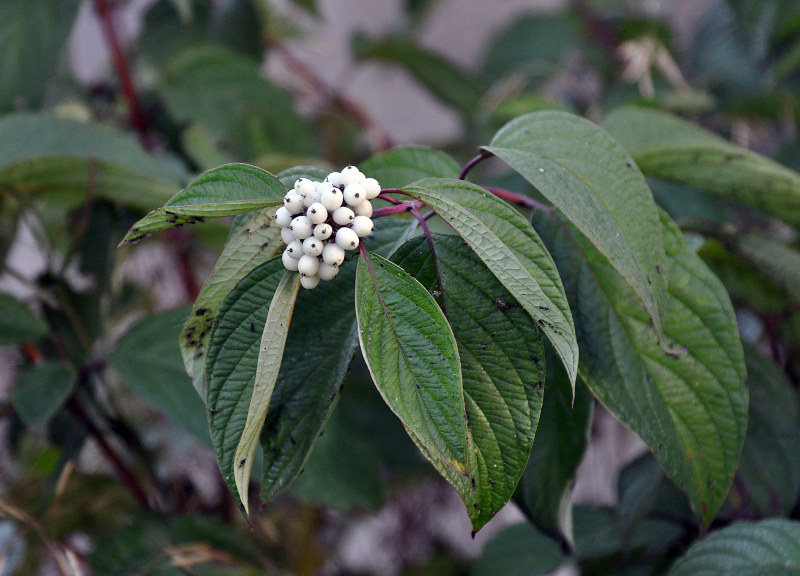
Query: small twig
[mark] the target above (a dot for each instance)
(381, 140)
(125, 474)
(137, 117)
(398, 208)
(474, 162)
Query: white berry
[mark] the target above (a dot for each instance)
(301, 227)
(362, 226)
(372, 187)
(288, 261)
(363, 209)
(304, 186)
(283, 217)
(312, 246)
(323, 231)
(333, 254)
(309, 282)
(287, 236)
(347, 239)
(351, 175)
(295, 249)
(317, 213)
(293, 203)
(331, 199)
(354, 194)
(308, 265)
(335, 178)
(326, 271)
(343, 216)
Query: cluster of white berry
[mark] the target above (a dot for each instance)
(320, 220)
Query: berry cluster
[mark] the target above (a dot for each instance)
(320, 220)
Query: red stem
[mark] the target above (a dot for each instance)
(381, 139)
(520, 199)
(424, 225)
(474, 162)
(137, 117)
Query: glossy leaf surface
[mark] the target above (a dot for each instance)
(511, 249)
(672, 149)
(224, 191)
(413, 359)
(591, 179)
(690, 407)
(745, 549)
(502, 365)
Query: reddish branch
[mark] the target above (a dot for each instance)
(381, 139)
(137, 118)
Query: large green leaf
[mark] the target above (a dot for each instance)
(32, 39)
(413, 358)
(768, 479)
(270, 355)
(17, 323)
(225, 93)
(545, 490)
(233, 357)
(256, 242)
(512, 250)
(149, 361)
(400, 166)
(671, 149)
(318, 352)
(442, 78)
(223, 191)
(40, 153)
(745, 549)
(690, 407)
(502, 366)
(589, 177)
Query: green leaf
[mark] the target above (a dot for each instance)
(148, 359)
(691, 407)
(41, 391)
(224, 191)
(413, 359)
(589, 177)
(17, 323)
(32, 40)
(768, 479)
(502, 366)
(233, 358)
(744, 549)
(519, 550)
(671, 149)
(273, 340)
(401, 166)
(318, 354)
(40, 153)
(545, 490)
(777, 262)
(443, 79)
(224, 92)
(511, 249)
(255, 243)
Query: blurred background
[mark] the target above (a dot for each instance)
(108, 107)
